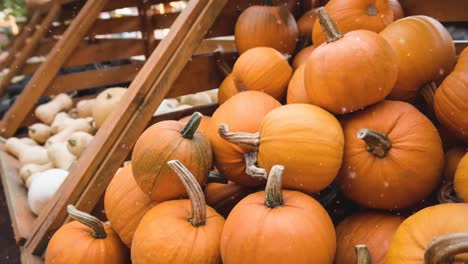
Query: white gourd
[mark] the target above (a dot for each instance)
(166, 106)
(29, 169)
(197, 99)
(78, 142)
(42, 188)
(46, 112)
(40, 132)
(33, 154)
(60, 156)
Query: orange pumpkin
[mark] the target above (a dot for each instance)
(412, 240)
(242, 112)
(397, 9)
(204, 123)
(262, 69)
(125, 213)
(350, 15)
(296, 90)
(344, 91)
(305, 25)
(375, 230)
(169, 140)
(266, 26)
(283, 227)
(393, 156)
(86, 240)
(223, 197)
(302, 56)
(425, 53)
(179, 231)
(451, 99)
(452, 158)
(306, 139)
(227, 89)
(460, 182)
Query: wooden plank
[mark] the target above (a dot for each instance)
(28, 258)
(16, 197)
(206, 110)
(107, 26)
(94, 170)
(444, 11)
(46, 73)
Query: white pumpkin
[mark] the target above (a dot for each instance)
(42, 188)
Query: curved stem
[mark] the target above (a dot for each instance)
(331, 30)
(377, 143)
(222, 65)
(192, 125)
(250, 141)
(97, 228)
(267, 3)
(446, 194)
(273, 189)
(441, 250)
(362, 254)
(428, 92)
(251, 168)
(195, 192)
(216, 177)
(372, 10)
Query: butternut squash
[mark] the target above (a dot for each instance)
(42, 187)
(61, 121)
(14, 145)
(33, 154)
(40, 132)
(46, 112)
(182, 107)
(60, 156)
(105, 102)
(73, 113)
(196, 99)
(28, 141)
(166, 106)
(78, 142)
(29, 169)
(85, 107)
(80, 124)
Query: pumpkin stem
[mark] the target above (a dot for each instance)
(441, 250)
(192, 125)
(362, 254)
(3, 140)
(251, 168)
(446, 194)
(222, 64)
(249, 141)
(97, 228)
(72, 142)
(331, 30)
(428, 92)
(108, 96)
(216, 177)
(273, 189)
(372, 10)
(195, 192)
(267, 3)
(377, 143)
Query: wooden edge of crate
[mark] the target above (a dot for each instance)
(28, 258)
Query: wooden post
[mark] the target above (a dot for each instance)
(147, 29)
(94, 170)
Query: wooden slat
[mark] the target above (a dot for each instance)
(94, 170)
(16, 197)
(444, 11)
(107, 26)
(206, 110)
(28, 258)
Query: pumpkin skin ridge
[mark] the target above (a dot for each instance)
(461, 179)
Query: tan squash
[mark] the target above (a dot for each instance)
(78, 142)
(81, 124)
(105, 103)
(60, 156)
(73, 113)
(33, 154)
(40, 132)
(61, 121)
(15, 145)
(29, 169)
(46, 112)
(85, 107)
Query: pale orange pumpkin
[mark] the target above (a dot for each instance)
(223, 197)
(302, 56)
(227, 89)
(460, 182)
(452, 158)
(296, 90)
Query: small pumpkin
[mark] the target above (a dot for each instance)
(175, 140)
(305, 24)
(393, 156)
(227, 89)
(125, 204)
(343, 91)
(305, 138)
(266, 26)
(204, 123)
(296, 90)
(262, 69)
(452, 158)
(413, 242)
(302, 57)
(398, 12)
(105, 103)
(425, 53)
(350, 15)
(460, 182)
(283, 227)
(223, 197)
(375, 230)
(86, 240)
(242, 112)
(179, 231)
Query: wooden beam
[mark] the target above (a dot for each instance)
(106, 26)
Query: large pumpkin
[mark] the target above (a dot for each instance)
(345, 74)
(204, 123)
(451, 99)
(86, 240)
(452, 158)
(350, 15)
(262, 69)
(375, 230)
(170, 140)
(413, 238)
(125, 204)
(305, 25)
(266, 26)
(302, 57)
(296, 90)
(306, 139)
(223, 197)
(425, 53)
(398, 12)
(179, 231)
(393, 156)
(461, 179)
(227, 89)
(281, 227)
(242, 112)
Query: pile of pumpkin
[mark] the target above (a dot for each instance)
(349, 121)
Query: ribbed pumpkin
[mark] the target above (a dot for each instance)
(306, 139)
(242, 112)
(375, 230)
(451, 99)
(266, 26)
(425, 53)
(413, 238)
(305, 24)
(223, 197)
(296, 90)
(179, 231)
(125, 204)
(331, 80)
(302, 56)
(350, 15)
(452, 158)
(170, 140)
(86, 240)
(397, 9)
(262, 69)
(460, 182)
(227, 89)
(283, 227)
(204, 123)
(393, 156)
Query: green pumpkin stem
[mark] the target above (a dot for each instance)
(331, 30)
(441, 250)
(273, 189)
(192, 125)
(250, 141)
(446, 194)
(267, 2)
(362, 254)
(428, 92)
(195, 193)
(97, 228)
(377, 143)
